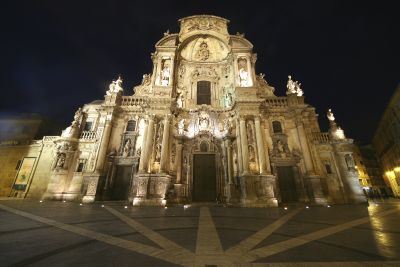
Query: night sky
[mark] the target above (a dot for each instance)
(59, 55)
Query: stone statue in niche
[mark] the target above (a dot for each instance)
(160, 133)
(181, 126)
(243, 72)
(281, 149)
(158, 153)
(228, 100)
(179, 100)
(252, 154)
(203, 121)
(146, 80)
(165, 72)
(203, 53)
(115, 86)
(250, 134)
(127, 148)
(61, 158)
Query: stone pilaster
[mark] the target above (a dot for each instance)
(101, 156)
(245, 148)
(178, 162)
(143, 153)
(165, 145)
(260, 146)
(239, 149)
(305, 149)
(147, 138)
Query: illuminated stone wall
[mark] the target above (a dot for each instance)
(203, 96)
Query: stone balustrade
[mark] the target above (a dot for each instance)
(133, 101)
(276, 102)
(88, 135)
(321, 137)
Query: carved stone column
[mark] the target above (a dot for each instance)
(245, 148)
(104, 143)
(260, 146)
(178, 162)
(149, 139)
(305, 149)
(239, 149)
(229, 160)
(143, 153)
(165, 145)
(230, 189)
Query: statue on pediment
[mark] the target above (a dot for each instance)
(330, 115)
(115, 86)
(146, 80)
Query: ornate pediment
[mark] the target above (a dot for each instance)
(204, 24)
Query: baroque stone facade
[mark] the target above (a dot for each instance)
(203, 126)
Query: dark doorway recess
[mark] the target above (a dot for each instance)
(204, 177)
(121, 183)
(287, 184)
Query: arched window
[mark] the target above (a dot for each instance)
(203, 92)
(276, 127)
(130, 127)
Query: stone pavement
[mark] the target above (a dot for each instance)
(34, 233)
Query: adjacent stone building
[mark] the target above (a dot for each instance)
(202, 126)
(387, 142)
(370, 172)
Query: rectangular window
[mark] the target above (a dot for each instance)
(80, 167)
(203, 93)
(88, 126)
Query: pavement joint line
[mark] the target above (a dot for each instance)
(108, 239)
(282, 246)
(168, 245)
(208, 242)
(250, 242)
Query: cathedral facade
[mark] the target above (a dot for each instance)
(202, 127)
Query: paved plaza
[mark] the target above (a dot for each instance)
(50, 233)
